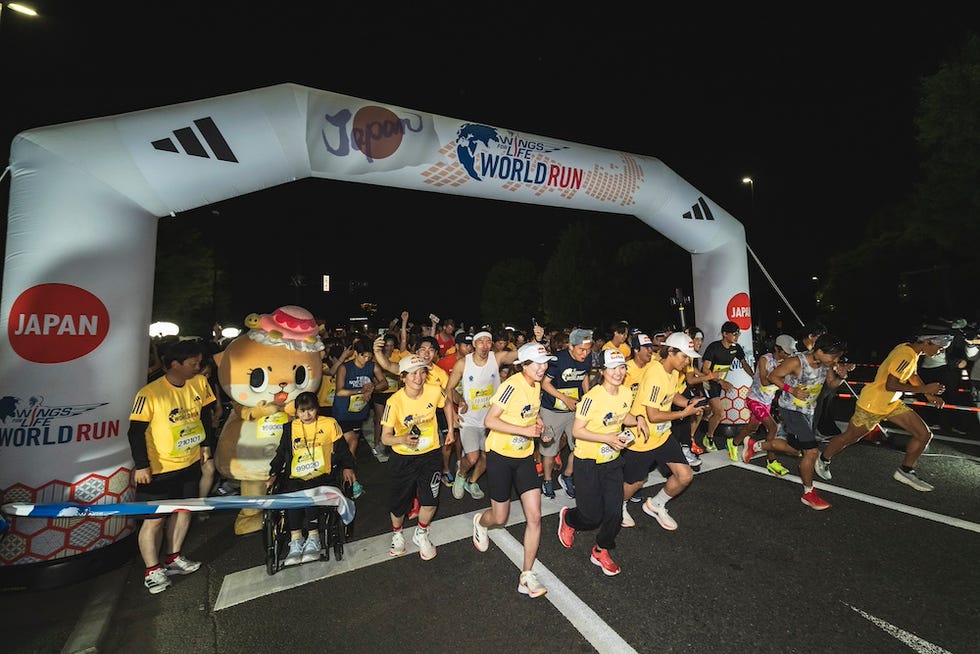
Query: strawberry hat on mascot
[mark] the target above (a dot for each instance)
(262, 371)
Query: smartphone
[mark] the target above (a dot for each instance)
(382, 331)
(433, 317)
(627, 436)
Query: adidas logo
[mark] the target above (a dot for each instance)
(700, 211)
(192, 145)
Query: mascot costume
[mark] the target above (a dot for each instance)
(262, 371)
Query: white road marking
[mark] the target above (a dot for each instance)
(911, 640)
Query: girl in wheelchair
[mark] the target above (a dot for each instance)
(311, 453)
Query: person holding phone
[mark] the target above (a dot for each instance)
(599, 438)
(653, 408)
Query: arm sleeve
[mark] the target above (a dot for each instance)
(210, 438)
(342, 453)
(137, 443)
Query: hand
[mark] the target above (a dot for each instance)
(937, 402)
(404, 317)
(142, 476)
(205, 454)
(935, 388)
(379, 343)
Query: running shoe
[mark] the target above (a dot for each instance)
(529, 585)
(776, 468)
(814, 501)
(295, 556)
(911, 479)
(426, 549)
(311, 549)
(709, 444)
(822, 468)
(566, 534)
(697, 449)
(732, 449)
(659, 511)
(459, 486)
(568, 483)
(474, 490)
(156, 581)
(357, 490)
(379, 453)
(749, 449)
(182, 566)
(693, 459)
(397, 544)
(448, 478)
(628, 520)
(548, 489)
(481, 539)
(602, 559)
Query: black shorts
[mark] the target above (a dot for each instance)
(414, 475)
(638, 464)
(347, 426)
(506, 473)
(173, 485)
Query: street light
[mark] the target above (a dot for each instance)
(19, 8)
(751, 183)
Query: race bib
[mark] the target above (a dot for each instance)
(606, 454)
(811, 399)
(480, 398)
(187, 436)
(305, 466)
(570, 392)
(357, 403)
(271, 426)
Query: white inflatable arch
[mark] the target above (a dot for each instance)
(85, 198)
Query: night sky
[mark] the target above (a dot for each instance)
(818, 110)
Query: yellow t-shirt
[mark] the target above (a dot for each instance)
(634, 375)
(657, 391)
(603, 413)
(521, 404)
(312, 447)
(403, 412)
(902, 362)
(176, 433)
(327, 392)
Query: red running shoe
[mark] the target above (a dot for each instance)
(814, 501)
(565, 533)
(695, 448)
(602, 559)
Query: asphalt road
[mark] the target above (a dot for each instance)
(751, 569)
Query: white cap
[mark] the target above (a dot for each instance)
(681, 341)
(787, 342)
(534, 353)
(612, 359)
(411, 364)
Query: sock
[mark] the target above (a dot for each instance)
(907, 469)
(824, 459)
(396, 529)
(660, 498)
(151, 569)
(423, 525)
(807, 489)
(170, 558)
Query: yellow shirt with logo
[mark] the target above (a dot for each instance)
(312, 447)
(657, 391)
(634, 375)
(603, 413)
(902, 362)
(520, 403)
(176, 433)
(403, 412)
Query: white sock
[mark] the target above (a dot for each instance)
(807, 489)
(660, 498)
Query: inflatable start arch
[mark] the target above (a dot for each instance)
(84, 202)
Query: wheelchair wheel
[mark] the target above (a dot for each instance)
(274, 539)
(335, 531)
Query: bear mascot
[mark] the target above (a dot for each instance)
(262, 371)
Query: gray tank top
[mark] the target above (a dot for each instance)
(813, 378)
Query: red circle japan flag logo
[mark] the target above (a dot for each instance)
(55, 323)
(740, 310)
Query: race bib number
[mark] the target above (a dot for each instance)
(305, 466)
(187, 436)
(661, 427)
(811, 399)
(270, 427)
(570, 392)
(357, 403)
(606, 454)
(518, 443)
(480, 398)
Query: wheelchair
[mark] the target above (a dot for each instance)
(333, 533)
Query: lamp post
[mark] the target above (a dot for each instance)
(751, 183)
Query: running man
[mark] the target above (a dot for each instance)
(718, 359)
(882, 400)
(802, 377)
